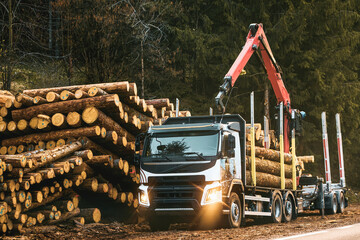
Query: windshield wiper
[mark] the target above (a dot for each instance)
(199, 155)
(162, 155)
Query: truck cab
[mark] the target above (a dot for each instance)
(188, 168)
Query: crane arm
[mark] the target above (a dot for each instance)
(255, 40)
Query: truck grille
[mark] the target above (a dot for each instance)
(176, 192)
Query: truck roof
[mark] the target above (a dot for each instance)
(224, 119)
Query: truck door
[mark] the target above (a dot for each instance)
(231, 151)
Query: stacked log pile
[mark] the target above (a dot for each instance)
(59, 144)
(267, 160)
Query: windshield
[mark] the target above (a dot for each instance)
(171, 146)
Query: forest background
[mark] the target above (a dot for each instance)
(183, 49)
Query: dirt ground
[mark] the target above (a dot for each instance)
(306, 222)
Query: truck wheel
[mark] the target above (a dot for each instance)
(341, 205)
(288, 209)
(276, 209)
(158, 224)
(334, 206)
(235, 214)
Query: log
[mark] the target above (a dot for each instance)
(66, 106)
(306, 159)
(23, 125)
(159, 103)
(39, 100)
(64, 205)
(257, 127)
(269, 154)
(73, 119)
(66, 95)
(59, 120)
(267, 166)
(268, 180)
(64, 217)
(113, 87)
(78, 220)
(92, 115)
(88, 144)
(36, 137)
(61, 142)
(95, 91)
(47, 200)
(52, 97)
(91, 215)
(90, 184)
(4, 112)
(24, 99)
(101, 159)
(84, 154)
(81, 94)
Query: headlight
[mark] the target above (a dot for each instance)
(143, 196)
(212, 194)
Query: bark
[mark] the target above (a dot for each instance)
(268, 180)
(306, 159)
(24, 99)
(93, 131)
(114, 87)
(88, 144)
(269, 154)
(159, 103)
(92, 115)
(66, 106)
(267, 166)
(90, 184)
(91, 215)
(64, 217)
(84, 154)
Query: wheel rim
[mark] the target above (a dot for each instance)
(288, 207)
(277, 209)
(235, 212)
(342, 202)
(334, 205)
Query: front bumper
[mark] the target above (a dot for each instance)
(183, 214)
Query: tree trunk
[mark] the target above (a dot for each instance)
(64, 217)
(122, 88)
(66, 106)
(159, 103)
(268, 180)
(92, 115)
(270, 154)
(91, 215)
(267, 166)
(93, 131)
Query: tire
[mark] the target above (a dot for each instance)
(235, 213)
(288, 208)
(341, 205)
(276, 209)
(334, 206)
(158, 224)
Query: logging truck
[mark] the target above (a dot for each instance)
(203, 169)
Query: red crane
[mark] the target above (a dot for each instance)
(256, 42)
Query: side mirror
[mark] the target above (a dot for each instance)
(231, 140)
